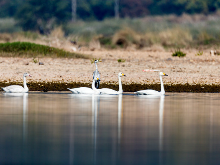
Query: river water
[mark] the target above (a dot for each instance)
(63, 128)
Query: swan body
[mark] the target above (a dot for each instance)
(149, 92)
(108, 91)
(18, 88)
(96, 74)
(154, 92)
(81, 90)
(86, 90)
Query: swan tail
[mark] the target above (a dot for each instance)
(4, 89)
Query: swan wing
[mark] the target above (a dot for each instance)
(81, 90)
(148, 92)
(15, 89)
(72, 90)
(108, 91)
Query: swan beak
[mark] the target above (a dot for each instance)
(97, 78)
(123, 74)
(165, 74)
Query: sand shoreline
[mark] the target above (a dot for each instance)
(61, 86)
(192, 69)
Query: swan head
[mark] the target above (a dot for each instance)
(26, 74)
(163, 74)
(120, 74)
(160, 73)
(96, 61)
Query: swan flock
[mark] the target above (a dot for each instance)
(95, 86)
(94, 90)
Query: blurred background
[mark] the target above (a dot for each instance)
(112, 24)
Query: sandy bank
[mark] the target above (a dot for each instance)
(192, 69)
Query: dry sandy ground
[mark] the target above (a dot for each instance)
(191, 69)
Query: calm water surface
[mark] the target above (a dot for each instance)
(63, 128)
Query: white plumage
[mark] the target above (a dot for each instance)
(151, 91)
(18, 88)
(111, 91)
(86, 90)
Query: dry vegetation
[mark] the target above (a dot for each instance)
(128, 50)
(185, 31)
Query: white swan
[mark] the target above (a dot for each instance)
(18, 88)
(86, 90)
(96, 74)
(111, 91)
(153, 92)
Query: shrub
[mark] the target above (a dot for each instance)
(175, 37)
(178, 53)
(125, 38)
(57, 32)
(199, 53)
(121, 60)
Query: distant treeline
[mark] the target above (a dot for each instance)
(42, 14)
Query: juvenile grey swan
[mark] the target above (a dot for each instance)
(96, 74)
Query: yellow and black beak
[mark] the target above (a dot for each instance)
(123, 74)
(165, 74)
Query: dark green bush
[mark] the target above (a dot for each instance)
(121, 60)
(178, 53)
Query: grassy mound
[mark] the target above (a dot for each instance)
(27, 49)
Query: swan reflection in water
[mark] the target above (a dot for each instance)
(95, 111)
(119, 116)
(95, 103)
(161, 111)
(25, 110)
(152, 100)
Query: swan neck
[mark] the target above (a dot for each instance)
(93, 86)
(24, 82)
(96, 67)
(120, 85)
(162, 87)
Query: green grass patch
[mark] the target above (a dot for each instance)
(27, 49)
(200, 53)
(121, 60)
(178, 53)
